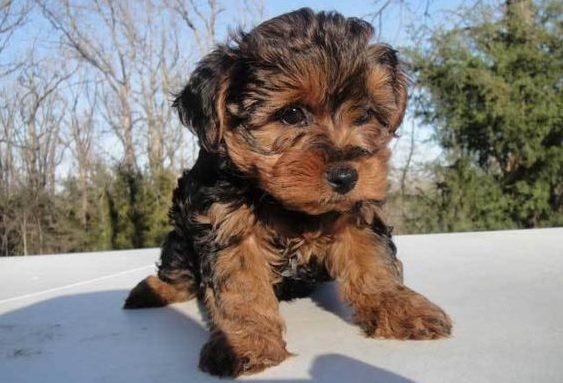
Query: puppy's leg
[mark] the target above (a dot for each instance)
(246, 334)
(371, 281)
(175, 281)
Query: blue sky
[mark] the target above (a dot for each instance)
(392, 29)
(350, 8)
(394, 26)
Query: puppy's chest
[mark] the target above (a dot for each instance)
(300, 258)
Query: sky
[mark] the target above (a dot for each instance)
(394, 26)
(357, 8)
(392, 29)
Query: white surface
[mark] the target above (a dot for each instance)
(61, 319)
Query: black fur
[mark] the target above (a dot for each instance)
(191, 246)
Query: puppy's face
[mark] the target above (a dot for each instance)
(305, 106)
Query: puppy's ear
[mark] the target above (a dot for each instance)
(201, 105)
(387, 57)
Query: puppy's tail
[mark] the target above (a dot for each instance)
(154, 292)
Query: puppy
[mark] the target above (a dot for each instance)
(293, 119)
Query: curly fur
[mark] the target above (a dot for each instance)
(294, 120)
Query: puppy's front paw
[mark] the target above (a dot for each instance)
(404, 314)
(219, 357)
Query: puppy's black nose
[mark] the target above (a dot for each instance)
(342, 178)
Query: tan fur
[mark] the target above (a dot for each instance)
(283, 115)
(245, 301)
(154, 292)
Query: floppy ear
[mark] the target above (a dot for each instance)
(201, 105)
(386, 56)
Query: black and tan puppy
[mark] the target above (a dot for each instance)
(294, 120)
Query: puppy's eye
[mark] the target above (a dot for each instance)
(293, 115)
(365, 117)
(368, 116)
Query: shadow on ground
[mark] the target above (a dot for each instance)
(89, 338)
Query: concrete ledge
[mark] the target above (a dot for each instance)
(61, 319)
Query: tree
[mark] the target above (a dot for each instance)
(13, 15)
(89, 145)
(492, 90)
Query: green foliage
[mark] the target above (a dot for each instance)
(492, 91)
(138, 208)
(85, 209)
(34, 222)
(112, 209)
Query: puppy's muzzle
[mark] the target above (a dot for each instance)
(342, 178)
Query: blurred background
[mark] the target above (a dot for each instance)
(90, 150)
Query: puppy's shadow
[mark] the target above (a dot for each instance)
(327, 298)
(88, 338)
(333, 368)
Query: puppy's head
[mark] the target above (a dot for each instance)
(305, 105)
